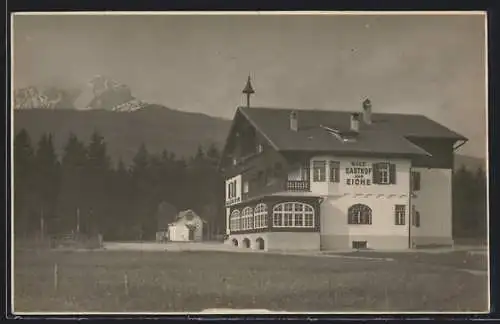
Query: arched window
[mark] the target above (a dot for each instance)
(260, 216)
(359, 214)
(293, 214)
(247, 218)
(234, 220)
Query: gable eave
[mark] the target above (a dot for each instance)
(256, 126)
(239, 111)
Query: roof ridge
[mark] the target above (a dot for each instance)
(327, 110)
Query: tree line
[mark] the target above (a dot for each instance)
(470, 204)
(84, 189)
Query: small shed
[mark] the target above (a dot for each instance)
(187, 227)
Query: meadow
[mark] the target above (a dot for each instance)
(134, 281)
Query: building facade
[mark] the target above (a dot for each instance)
(329, 180)
(188, 227)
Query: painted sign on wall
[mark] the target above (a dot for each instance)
(233, 190)
(358, 173)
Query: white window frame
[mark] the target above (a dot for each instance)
(319, 174)
(247, 218)
(400, 213)
(260, 216)
(384, 173)
(285, 215)
(357, 214)
(332, 166)
(234, 220)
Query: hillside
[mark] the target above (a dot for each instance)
(156, 126)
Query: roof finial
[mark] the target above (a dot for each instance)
(248, 90)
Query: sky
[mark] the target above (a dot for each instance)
(423, 64)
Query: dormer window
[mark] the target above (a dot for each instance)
(260, 148)
(235, 161)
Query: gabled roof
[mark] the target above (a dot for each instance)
(388, 134)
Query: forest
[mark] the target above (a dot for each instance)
(122, 201)
(119, 201)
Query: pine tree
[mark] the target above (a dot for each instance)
(47, 177)
(482, 202)
(23, 182)
(98, 176)
(142, 183)
(73, 197)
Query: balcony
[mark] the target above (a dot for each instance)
(297, 185)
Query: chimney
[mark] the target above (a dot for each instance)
(367, 111)
(355, 122)
(294, 121)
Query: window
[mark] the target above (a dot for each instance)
(247, 218)
(359, 214)
(358, 245)
(400, 211)
(293, 214)
(234, 220)
(260, 216)
(231, 189)
(305, 172)
(260, 148)
(334, 171)
(415, 217)
(415, 180)
(384, 173)
(319, 171)
(245, 187)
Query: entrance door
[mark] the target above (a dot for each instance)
(191, 234)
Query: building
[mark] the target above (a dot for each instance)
(187, 227)
(326, 180)
(165, 213)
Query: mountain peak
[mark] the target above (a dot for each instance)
(102, 93)
(45, 97)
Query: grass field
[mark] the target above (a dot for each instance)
(193, 281)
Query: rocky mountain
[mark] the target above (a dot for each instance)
(45, 98)
(100, 93)
(112, 95)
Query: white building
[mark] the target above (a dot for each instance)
(326, 180)
(187, 227)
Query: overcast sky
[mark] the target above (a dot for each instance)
(433, 65)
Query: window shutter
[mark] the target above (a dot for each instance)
(376, 174)
(392, 173)
(416, 181)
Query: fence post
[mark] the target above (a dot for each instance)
(56, 274)
(125, 282)
(386, 295)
